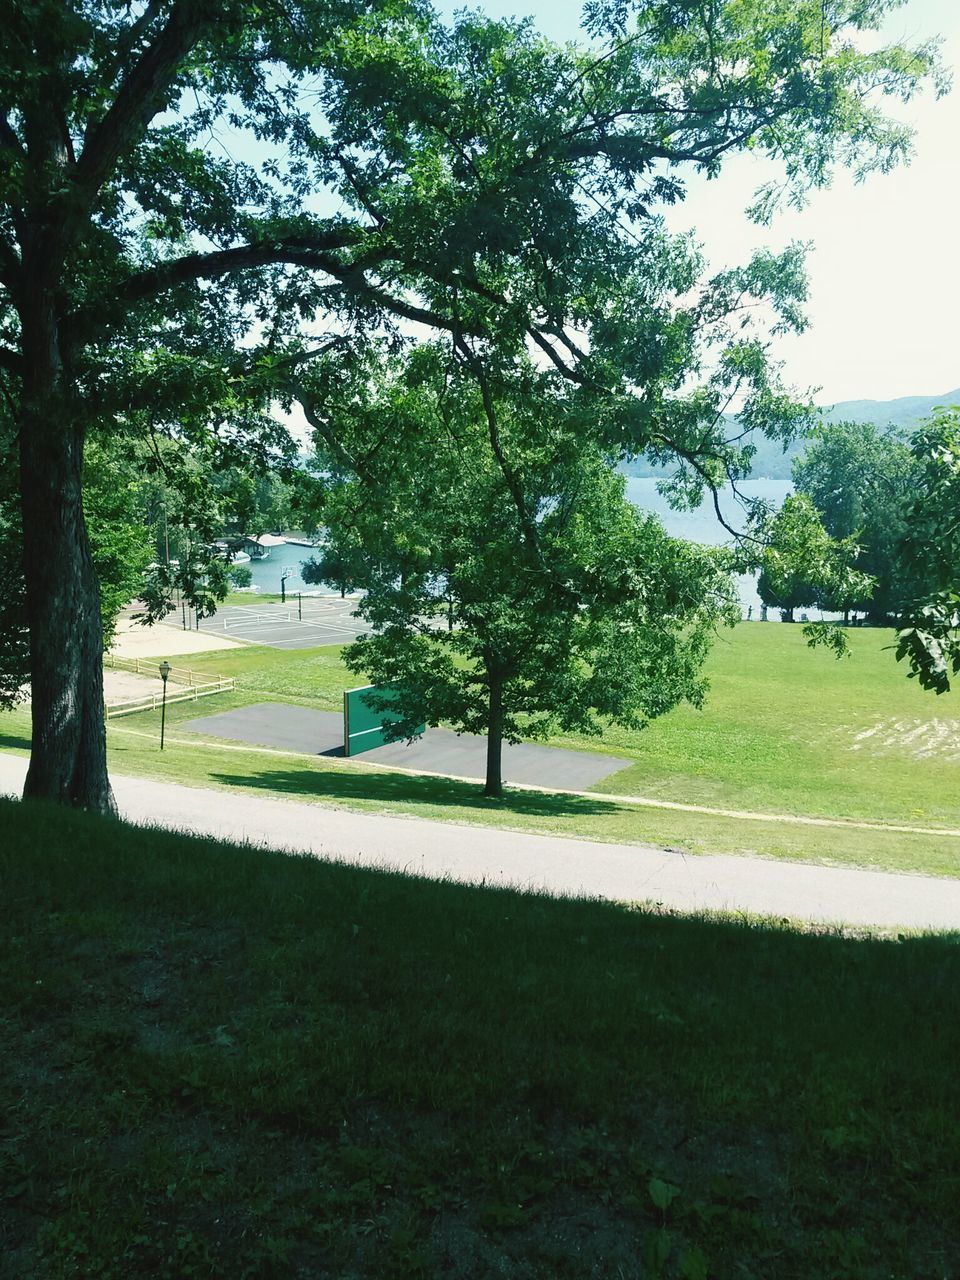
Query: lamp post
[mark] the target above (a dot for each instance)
(165, 670)
(283, 586)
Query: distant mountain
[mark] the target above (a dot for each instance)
(905, 412)
(772, 462)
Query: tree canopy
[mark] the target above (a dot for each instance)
(197, 197)
(929, 632)
(800, 564)
(589, 614)
(862, 481)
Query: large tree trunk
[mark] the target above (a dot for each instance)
(68, 762)
(494, 783)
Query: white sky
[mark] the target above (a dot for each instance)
(884, 271)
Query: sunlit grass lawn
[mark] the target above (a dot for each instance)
(777, 735)
(779, 732)
(221, 1062)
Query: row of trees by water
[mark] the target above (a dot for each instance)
(870, 487)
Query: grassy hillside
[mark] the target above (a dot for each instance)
(785, 728)
(793, 730)
(221, 1062)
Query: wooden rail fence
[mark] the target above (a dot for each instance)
(191, 685)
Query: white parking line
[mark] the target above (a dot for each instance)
(287, 627)
(318, 642)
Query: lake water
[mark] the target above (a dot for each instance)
(697, 526)
(702, 525)
(285, 560)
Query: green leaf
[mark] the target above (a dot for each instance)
(693, 1264)
(662, 1193)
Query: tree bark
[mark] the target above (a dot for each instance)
(68, 761)
(494, 782)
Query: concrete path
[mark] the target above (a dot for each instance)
(438, 751)
(578, 867)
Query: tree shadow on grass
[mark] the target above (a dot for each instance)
(397, 788)
(19, 740)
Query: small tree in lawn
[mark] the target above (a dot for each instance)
(341, 563)
(786, 591)
(800, 564)
(863, 480)
(599, 617)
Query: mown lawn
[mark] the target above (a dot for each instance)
(217, 1061)
(780, 732)
(778, 736)
(367, 788)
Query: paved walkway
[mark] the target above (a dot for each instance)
(579, 867)
(438, 751)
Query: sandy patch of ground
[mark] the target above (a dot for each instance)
(163, 641)
(921, 739)
(124, 686)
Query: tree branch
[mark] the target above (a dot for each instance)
(9, 266)
(246, 257)
(574, 375)
(139, 98)
(8, 138)
(327, 435)
(691, 459)
(317, 253)
(130, 38)
(528, 525)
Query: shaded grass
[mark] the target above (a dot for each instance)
(222, 1062)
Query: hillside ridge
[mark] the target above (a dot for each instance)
(773, 462)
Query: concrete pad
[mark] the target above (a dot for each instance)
(276, 724)
(278, 626)
(440, 751)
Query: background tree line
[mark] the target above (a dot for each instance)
(864, 481)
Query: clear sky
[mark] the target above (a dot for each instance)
(885, 266)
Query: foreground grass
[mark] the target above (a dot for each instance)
(221, 1062)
